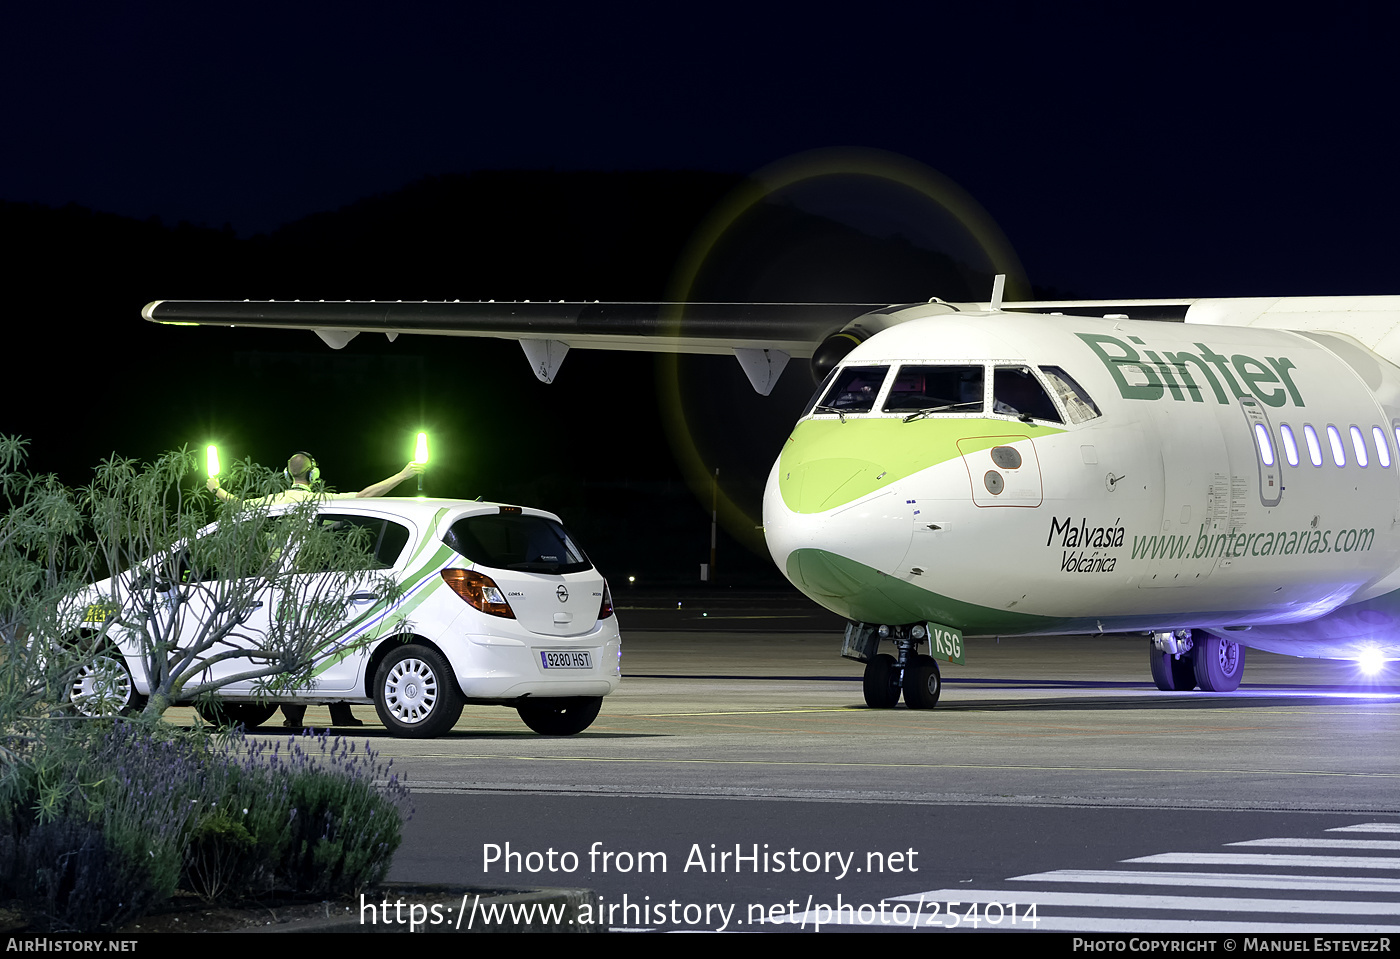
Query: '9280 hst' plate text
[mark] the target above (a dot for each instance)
(582, 659)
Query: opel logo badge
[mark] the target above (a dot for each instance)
(563, 593)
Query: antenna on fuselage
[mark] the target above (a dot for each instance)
(998, 288)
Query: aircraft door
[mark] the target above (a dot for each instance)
(1262, 434)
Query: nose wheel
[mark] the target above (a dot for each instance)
(882, 682)
(918, 679)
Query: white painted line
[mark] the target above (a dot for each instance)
(1072, 924)
(1230, 880)
(1368, 827)
(1023, 898)
(815, 920)
(1386, 845)
(1269, 859)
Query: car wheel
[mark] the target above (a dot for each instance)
(248, 715)
(560, 717)
(415, 694)
(104, 687)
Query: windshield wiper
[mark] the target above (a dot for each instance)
(822, 408)
(940, 409)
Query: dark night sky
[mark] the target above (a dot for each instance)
(1123, 154)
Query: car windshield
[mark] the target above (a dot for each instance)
(516, 541)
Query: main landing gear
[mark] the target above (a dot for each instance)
(1187, 658)
(914, 675)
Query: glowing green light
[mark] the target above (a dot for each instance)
(420, 452)
(211, 459)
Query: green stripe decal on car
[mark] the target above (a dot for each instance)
(390, 625)
(826, 463)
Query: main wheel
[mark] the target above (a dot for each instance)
(922, 683)
(881, 682)
(1170, 673)
(248, 715)
(415, 694)
(1219, 664)
(104, 687)
(560, 717)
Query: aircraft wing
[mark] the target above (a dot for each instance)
(761, 335)
(795, 328)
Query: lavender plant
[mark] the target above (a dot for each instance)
(110, 822)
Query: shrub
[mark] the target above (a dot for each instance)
(99, 822)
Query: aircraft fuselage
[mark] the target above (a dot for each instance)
(1005, 473)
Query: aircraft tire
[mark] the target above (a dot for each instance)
(1219, 664)
(922, 683)
(881, 683)
(1169, 673)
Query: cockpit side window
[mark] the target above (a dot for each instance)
(1016, 392)
(1079, 406)
(854, 390)
(818, 393)
(936, 389)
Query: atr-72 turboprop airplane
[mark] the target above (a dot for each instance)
(985, 469)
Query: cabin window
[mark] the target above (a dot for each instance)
(854, 390)
(1265, 444)
(1016, 392)
(1358, 446)
(1382, 447)
(1077, 403)
(1290, 444)
(1339, 452)
(1314, 447)
(937, 389)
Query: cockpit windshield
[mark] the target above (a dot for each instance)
(1079, 406)
(854, 390)
(1016, 392)
(929, 389)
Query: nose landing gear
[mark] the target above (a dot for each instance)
(886, 676)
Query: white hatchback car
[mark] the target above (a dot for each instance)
(498, 607)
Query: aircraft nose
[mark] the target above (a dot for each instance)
(838, 556)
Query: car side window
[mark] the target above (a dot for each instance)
(386, 538)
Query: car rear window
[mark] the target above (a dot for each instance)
(516, 541)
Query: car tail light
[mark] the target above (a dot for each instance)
(479, 591)
(605, 610)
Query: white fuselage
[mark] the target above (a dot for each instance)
(1232, 477)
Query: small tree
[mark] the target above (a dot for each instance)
(44, 560)
(258, 596)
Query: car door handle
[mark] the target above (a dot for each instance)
(361, 597)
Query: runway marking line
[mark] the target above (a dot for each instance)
(910, 765)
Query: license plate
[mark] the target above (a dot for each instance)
(98, 613)
(581, 659)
